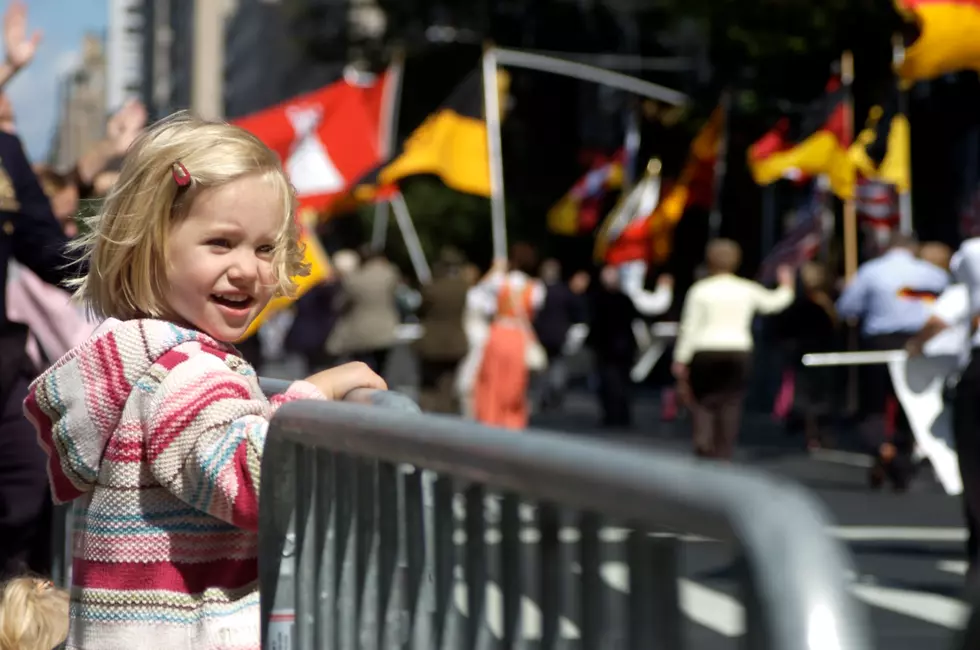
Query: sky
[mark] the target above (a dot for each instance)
(34, 92)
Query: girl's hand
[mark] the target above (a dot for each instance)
(335, 383)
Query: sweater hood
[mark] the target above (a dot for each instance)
(77, 404)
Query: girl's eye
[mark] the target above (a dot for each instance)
(268, 249)
(219, 243)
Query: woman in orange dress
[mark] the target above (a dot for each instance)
(512, 297)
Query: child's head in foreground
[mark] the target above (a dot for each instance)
(198, 230)
(33, 615)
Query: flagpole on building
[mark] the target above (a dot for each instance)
(850, 207)
(388, 140)
(721, 161)
(905, 222)
(491, 102)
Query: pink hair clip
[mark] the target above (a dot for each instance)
(181, 176)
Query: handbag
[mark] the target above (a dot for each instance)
(535, 356)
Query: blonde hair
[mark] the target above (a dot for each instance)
(126, 246)
(33, 615)
(813, 276)
(723, 256)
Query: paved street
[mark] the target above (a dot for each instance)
(907, 548)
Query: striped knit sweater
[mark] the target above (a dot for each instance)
(157, 432)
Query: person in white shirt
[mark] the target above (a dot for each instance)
(511, 296)
(966, 407)
(713, 349)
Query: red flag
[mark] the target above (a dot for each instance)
(327, 139)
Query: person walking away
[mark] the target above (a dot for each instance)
(714, 344)
(443, 343)
(891, 296)
(156, 425)
(562, 308)
(512, 296)
(809, 326)
(614, 346)
(368, 326)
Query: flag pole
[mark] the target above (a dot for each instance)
(387, 140)
(850, 225)
(631, 147)
(905, 222)
(721, 162)
(415, 253)
(491, 102)
(850, 207)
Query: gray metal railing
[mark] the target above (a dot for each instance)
(374, 533)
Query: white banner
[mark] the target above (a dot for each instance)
(919, 383)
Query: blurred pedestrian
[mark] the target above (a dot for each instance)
(808, 326)
(713, 351)
(563, 307)
(443, 343)
(512, 296)
(891, 296)
(368, 324)
(614, 346)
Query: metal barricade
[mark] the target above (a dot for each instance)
(374, 533)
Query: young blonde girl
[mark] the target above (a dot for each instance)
(156, 425)
(33, 615)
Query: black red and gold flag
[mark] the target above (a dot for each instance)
(817, 144)
(451, 143)
(648, 234)
(946, 39)
(882, 150)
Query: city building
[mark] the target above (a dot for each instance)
(124, 51)
(83, 106)
(275, 50)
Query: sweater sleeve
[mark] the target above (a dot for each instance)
(771, 301)
(205, 429)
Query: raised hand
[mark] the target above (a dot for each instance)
(786, 276)
(20, 49)
(125, 126)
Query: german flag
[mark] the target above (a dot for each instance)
(694, 188)
(451, 143)
(947, 37)
(818, 146)
(634, 231)
(908, 293)
(881, 151)
(578, 211)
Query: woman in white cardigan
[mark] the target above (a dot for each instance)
(714, 345)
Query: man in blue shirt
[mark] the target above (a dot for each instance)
(892, 296)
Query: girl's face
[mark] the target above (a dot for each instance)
(219, 258)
